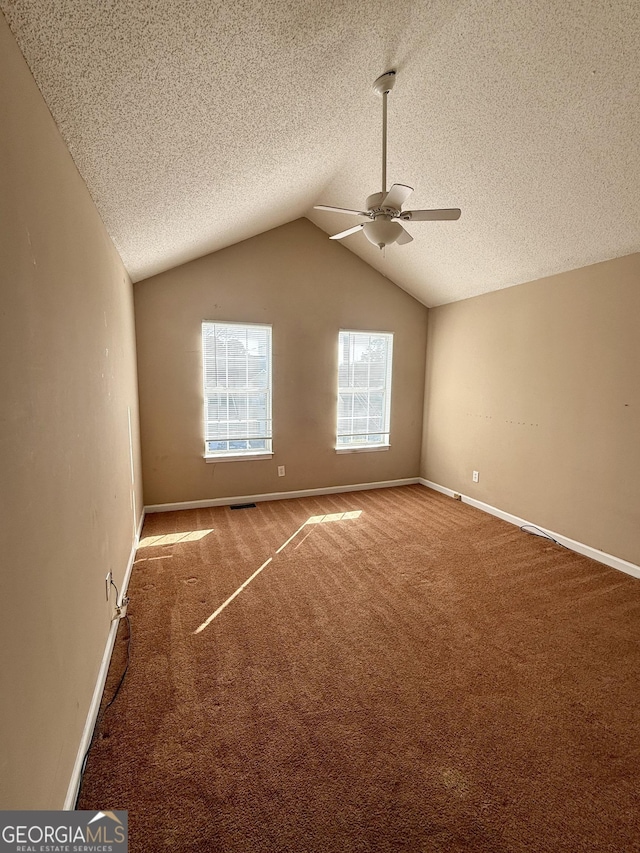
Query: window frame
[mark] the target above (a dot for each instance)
(235, 454)
(367, 446)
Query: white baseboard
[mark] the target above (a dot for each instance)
(94, 707)
(579, 547)
(278, 496)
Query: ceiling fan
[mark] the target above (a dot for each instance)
(384, 209)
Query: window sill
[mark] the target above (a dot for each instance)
(239, 457)
(366, 449)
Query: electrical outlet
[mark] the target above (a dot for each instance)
(280, 470)
(476, 476)
(107, 581)
(457, 496)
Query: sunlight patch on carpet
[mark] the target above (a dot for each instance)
(313, 519)
(174, 538)
(231, 597)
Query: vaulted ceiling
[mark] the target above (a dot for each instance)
(199, 124)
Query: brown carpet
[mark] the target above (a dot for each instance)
(415, 676)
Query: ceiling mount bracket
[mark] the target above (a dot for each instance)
(384, 83)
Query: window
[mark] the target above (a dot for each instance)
(236, 362)
(364, 389)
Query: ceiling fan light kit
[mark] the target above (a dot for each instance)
(384, 209)
(382, 231)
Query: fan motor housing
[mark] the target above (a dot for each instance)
(373, 205)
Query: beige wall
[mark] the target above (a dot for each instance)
(308, 288)
(67, 380)
(538, 388)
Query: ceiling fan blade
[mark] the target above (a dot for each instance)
(405, 237)
(340, 210)
(429, 215)
(396, 196)
(348, 231)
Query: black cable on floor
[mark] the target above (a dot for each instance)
(101, 716)
(537, 531)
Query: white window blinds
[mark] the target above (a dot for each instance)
(364, 389)
(237, 389)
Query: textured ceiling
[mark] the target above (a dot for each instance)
(199, 124)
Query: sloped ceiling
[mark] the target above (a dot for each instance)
(200, 124)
